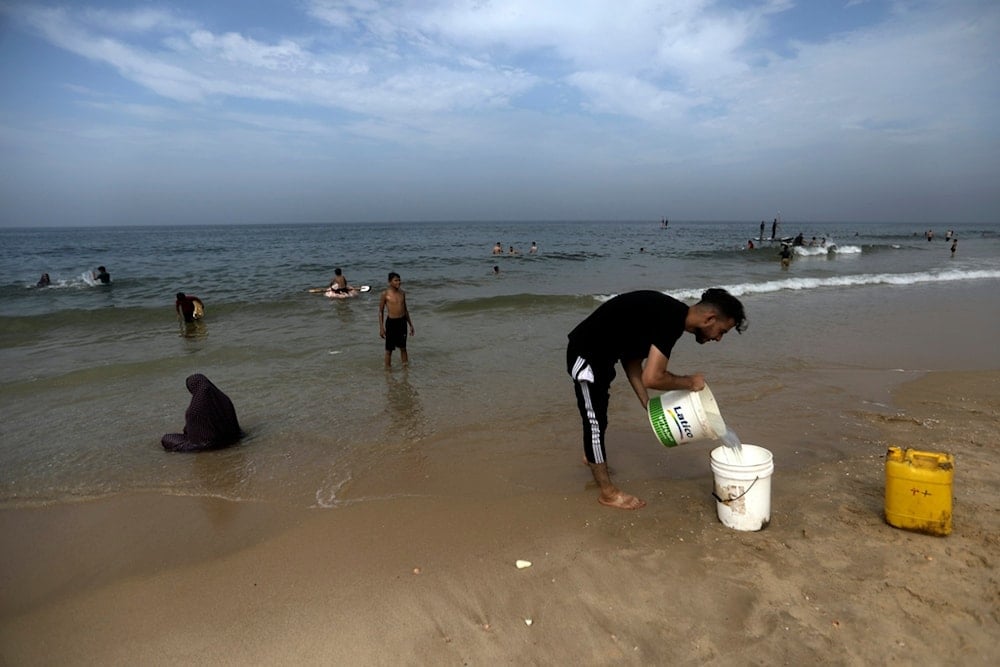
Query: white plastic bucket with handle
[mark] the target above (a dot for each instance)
(684, 416)
(743, 486)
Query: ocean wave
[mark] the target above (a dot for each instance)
(859, 280)
(82, 281)
(829, 249)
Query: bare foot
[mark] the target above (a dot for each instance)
(622, 500)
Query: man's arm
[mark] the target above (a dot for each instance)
(406, 313)
(381, 315)
(656, 376)
(633, 371)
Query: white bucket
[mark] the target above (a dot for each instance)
(683, 416)
(743, 486)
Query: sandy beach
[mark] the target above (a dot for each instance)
(430, 578)
(486, 178)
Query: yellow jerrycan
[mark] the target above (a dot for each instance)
(918, 490)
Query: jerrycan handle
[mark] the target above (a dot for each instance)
(931, 459)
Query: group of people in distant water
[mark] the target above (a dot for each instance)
(498, 249)
(100, 275)
(785, 252)
(929, 235)
(774, 229)
(511, 250)
(948, 236)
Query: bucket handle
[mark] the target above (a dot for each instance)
(729, 500)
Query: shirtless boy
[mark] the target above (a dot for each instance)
(339, 282)
(393, 327)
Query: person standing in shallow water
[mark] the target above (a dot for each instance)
(393, 328)
(185, 306)
(639, 330)
(786, 255)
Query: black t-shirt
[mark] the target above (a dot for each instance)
(624, 327)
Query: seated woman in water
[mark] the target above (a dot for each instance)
(210, 421)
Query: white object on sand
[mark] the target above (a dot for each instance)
(521, 564)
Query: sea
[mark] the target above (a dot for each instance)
(95, 373)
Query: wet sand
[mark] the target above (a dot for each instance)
(429, 576)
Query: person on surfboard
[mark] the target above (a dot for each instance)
(339, 282)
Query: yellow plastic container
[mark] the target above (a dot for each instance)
(918, 490)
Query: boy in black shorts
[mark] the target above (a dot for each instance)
(393, 328)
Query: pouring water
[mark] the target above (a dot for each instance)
(734, 446)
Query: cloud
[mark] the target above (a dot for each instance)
(192, 64)
(238, 50)
(689, 39)
(133, 21)
(624, 95)
(694, 62)
(914, 78)
(66, 31)
(715, 88)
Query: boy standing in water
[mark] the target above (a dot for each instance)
(393, 327)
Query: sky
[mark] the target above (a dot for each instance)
(140, 112)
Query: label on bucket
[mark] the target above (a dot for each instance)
(685, 416)
(659, 419)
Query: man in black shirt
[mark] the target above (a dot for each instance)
(632, 328)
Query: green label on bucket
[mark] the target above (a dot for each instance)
(659, 420)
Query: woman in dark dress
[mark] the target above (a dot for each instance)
(210, 421)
